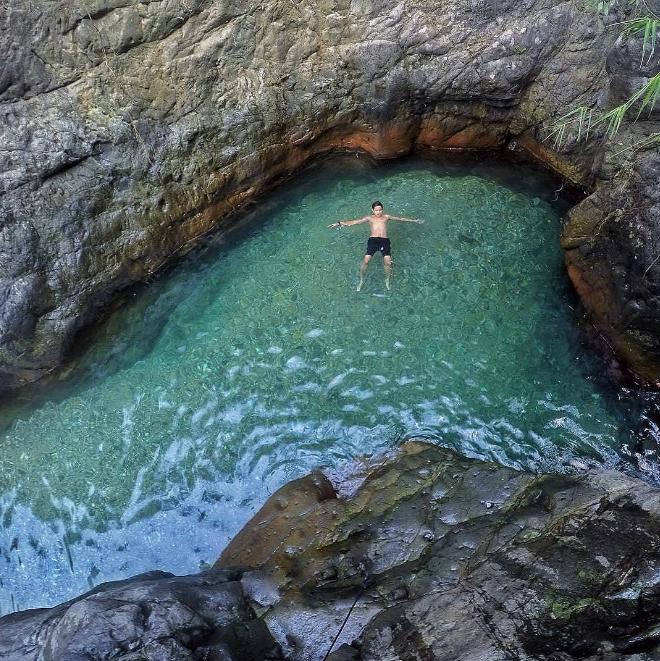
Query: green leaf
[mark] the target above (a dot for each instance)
(613, 119)
(647, 26)
(650, 93)
(600, 6)
(577, 121)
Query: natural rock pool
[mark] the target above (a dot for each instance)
(255, 361)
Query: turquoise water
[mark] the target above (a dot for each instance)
(255, 360)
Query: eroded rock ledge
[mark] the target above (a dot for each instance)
(130, 129)
(421, 554)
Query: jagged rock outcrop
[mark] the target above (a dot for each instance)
(422, 554)
(129, 129)
(152, 616)
(612, 238)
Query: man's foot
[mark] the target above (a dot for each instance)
(359, 287)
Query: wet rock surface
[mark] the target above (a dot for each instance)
(152, 616)
(130, 129)
(612, 239)
(612, 248)
(421, 554)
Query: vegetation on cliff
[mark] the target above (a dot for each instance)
(582, 121)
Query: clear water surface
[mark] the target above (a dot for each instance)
(255, 360)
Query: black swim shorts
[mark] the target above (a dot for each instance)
(375, 244)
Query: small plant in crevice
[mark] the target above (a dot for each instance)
(580, 122)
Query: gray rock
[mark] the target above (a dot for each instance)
(152, 616)
(416, 565)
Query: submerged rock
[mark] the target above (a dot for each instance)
(421, 554)
(129, 130)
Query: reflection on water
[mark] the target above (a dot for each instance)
(256, 360)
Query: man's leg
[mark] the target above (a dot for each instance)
(363, 268)
(387, 265)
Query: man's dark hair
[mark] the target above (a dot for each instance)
(376, 204)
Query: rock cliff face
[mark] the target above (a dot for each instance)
(419, 555)
(128, 129)
(612, 239)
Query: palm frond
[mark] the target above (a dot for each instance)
(649, 94)
(576, 122)
(648, 142)
(646, 96)
(613, 119)
(647, 26)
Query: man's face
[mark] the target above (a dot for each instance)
(378, 210)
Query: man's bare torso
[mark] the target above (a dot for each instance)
(378, 225)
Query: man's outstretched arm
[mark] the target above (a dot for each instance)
(406, 220)
(348, 223)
